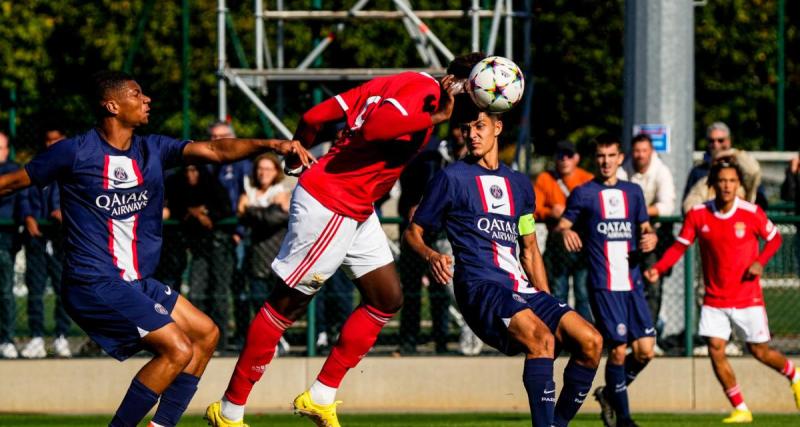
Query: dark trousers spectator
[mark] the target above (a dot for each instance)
(213, 261)
(412, 268)
(8, 305)
(334, 303)
(42, 263)
(653, 290)
(173, 260)
(560, 266)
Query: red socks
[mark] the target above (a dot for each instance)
(358, 335)
(262, 337)
(788, 370)
(735, 395)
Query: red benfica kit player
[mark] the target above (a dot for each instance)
(332, 223)
(728, 229)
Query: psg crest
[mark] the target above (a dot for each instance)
(496, 191)
(120, 174)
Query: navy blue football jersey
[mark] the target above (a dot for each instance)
(480, 209)
(111, 202)
(607, 218)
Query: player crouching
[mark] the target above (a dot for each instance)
(728, 229)
(486, 210)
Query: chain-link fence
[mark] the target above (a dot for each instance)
(213, 272)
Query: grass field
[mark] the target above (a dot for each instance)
(421, 420)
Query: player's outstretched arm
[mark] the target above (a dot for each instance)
(670, 257)
(228, 150)
(440, 264)
(14, 181)
(532, 262)
(572, 242)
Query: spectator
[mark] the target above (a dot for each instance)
(333, 304)
(264, 209)
(698, 191)
(173, 259)
(552, 188)
(413, 269)
(791, 193)
(658, 187)
(789, 188)
(43, 259)
(232, 177)
(199, 202)
(8, 212)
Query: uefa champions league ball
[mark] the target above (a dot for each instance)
(496, 84)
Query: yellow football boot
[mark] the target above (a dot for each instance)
(796, 391)
(215, 418)
(321, 415)
(739, 416)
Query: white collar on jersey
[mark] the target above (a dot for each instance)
(728, 214)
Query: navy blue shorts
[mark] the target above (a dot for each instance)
(621, 316)
(116, 314)
(488, 308)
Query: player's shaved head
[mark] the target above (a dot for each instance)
(107, 85)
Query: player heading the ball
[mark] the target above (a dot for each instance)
(332, 223)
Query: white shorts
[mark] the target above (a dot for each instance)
(751, 322)
(319, 241)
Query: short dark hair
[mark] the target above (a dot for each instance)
(462, 65)
(719, 165)
(465, 111)
(641, 137)
(606, 139)
(51, 127)
(103, 83)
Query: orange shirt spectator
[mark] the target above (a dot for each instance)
(552, 187)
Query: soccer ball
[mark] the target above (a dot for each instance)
(496, 84)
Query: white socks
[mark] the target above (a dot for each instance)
(322, 394)
(742, 406)
(232, 411)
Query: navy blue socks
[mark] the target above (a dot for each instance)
(135, 405)
(175, 400)
(537, 376)
(617, 390)
(632, 368)
(577, 383)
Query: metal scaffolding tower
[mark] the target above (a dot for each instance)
(432, 51)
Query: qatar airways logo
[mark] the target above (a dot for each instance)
(122, 204)
(616, 229)
(499, 229)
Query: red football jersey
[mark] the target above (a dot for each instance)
(728, 247)
(359, 169)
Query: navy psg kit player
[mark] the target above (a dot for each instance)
(608, 219)
(499, 279)
(111, 184)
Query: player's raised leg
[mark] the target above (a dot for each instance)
(585, 345)
(537, 375)
(776, 360)
(382, 298)
(203, 335)
(281, 309)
